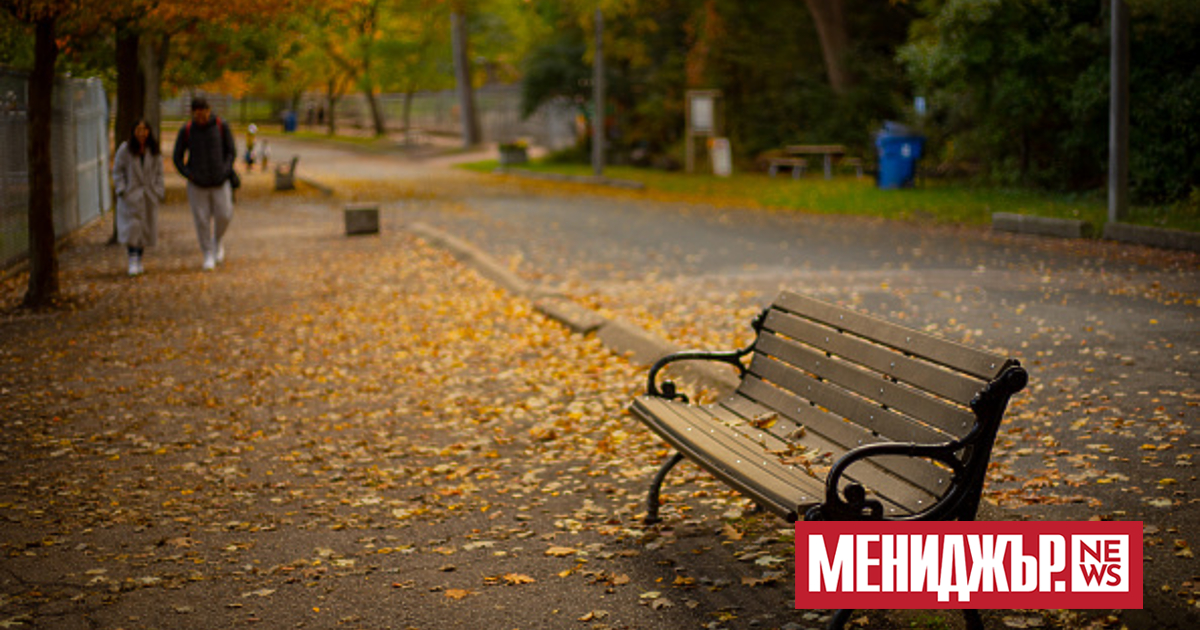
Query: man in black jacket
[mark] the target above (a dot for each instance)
(210, 153)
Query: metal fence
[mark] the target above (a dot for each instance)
(499, 107)
(79, 146)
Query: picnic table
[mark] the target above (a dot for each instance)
(829, 151)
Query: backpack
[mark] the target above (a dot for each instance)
(235, 181)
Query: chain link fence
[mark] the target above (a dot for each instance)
(79, 145)
(499, 107)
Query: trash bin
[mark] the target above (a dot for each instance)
(289, 121)
(898, 148)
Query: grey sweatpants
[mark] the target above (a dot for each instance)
(212, 209)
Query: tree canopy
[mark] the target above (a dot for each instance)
(1017, 89)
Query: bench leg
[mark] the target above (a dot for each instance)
(839, 619)
(772, 170)
(656, 485)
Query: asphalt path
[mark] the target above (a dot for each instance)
(1107, 429)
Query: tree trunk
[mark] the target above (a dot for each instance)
(376, 114)
(332, 97)
(152, 61)
(131, 82)
(43, 260)
(462, 74)
(408, 99)
(131, 94)
(830, 19)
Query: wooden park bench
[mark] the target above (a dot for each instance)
(285, 175)
(841, 416)
(798, 165)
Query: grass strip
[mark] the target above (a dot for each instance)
(932, 201)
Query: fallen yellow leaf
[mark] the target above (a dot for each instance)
(518, 578)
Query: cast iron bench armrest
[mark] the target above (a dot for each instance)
(856, 506)
(988, 406)
(668, 390)
(732, 357)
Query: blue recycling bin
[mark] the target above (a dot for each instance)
(898, 149)
(289, 121)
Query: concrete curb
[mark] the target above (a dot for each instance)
(1043, 226)
(580, 320)
(619, 336)
(1120, 232)
(470, 255)
(642, 348)
(578, 179)
(1153, 237)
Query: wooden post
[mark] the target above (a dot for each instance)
(462, 74)
(598, 99)
(1118, 122)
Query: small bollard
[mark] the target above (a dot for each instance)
(361, 219)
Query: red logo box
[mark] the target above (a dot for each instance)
(1004, 564)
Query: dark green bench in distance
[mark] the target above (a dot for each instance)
(285, 174)
(841, 416)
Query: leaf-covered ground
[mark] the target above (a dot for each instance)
(360, 432)
(333, 432)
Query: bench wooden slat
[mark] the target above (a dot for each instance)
(899, 494)
(955, 421)
(981, 364)
(920, 473)
(751, 451)
(887, 423)
(728, 456)
(954, 386)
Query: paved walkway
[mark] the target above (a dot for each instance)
(333, 432)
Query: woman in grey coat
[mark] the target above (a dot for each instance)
(138, 179)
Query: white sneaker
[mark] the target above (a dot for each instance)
(134, 266)
(220, 253)
(140, 269)
(210, 262)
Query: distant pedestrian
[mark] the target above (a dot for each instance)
(138, 180)
(264, 153)
(251, 132)
(204, 155)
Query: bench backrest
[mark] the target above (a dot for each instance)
(854, 379)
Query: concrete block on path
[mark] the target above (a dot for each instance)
(361, 219)
(1043, 226)
(1153, 237)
